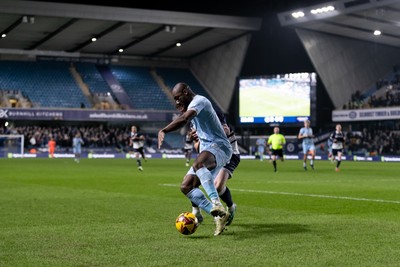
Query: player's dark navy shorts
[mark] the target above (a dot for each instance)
(232, 164)
(277, 152)
(335, 151)
(138, 150)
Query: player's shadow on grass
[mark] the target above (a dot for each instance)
(256, 230)
(267, 229)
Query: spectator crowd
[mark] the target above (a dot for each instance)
(94, 136)
(372, 138)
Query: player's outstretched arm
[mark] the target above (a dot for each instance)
(176, 124)
(161, 136)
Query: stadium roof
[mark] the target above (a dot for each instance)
(357, 19)
(60, 29)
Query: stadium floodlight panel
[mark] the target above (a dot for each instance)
(322, 10)
(298, 14)
(330, 9)
(377, 32)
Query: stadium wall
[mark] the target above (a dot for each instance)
(346, 65)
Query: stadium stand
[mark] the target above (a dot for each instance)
(92, 77)
(385, 93)
(172, 76)
(141, 87)
(45, 84)
(98, 89)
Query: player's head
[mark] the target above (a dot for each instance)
(307, 123)
(276, 130)
(182, 95)
(338, 127)
(133, 129)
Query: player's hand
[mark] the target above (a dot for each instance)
(161, 136)
(226, 129)
(193, 135)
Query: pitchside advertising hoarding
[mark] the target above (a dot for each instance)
(374, 114)
(181, 156)
(84, 115)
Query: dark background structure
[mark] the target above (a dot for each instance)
(273, 49)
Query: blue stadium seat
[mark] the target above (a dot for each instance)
(141, 88)
(92, 77)
(45, 83)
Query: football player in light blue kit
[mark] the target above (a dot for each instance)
(215, 151)
(77, 142)
(261, 144)
(225, 173)
(306, 134)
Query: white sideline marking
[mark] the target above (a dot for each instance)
(307, 195)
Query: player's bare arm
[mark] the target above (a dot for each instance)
(178, 123)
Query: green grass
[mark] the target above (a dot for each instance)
(104, 212)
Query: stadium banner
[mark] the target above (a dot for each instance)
(85, 155)
(84, 115)
(366, 114)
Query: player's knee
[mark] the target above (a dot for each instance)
(185, 188)
(188, 183)
(198, 165)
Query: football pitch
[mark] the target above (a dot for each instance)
(104, 212)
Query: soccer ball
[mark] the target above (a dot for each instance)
(186, 223)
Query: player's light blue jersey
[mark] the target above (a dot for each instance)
(308, 132)
(261, 143)
(77, 143)
(208, 127)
